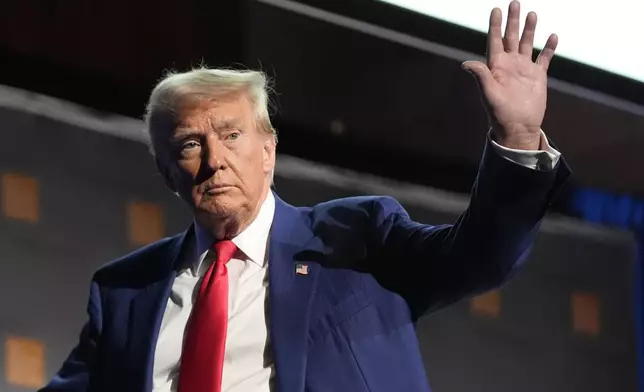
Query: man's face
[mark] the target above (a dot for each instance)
(217, 158)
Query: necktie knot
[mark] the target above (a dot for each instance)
(225, 250)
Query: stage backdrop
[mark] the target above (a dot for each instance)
(79, 188)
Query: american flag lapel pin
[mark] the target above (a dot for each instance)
(301, 269)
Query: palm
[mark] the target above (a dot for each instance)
(519, 94)
(514, 87)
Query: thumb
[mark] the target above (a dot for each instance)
(479, 70)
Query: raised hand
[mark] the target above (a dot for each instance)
(514, 88)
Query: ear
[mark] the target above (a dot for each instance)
(270, 145)
(164, 170)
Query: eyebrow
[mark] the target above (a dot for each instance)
(226, 123)
(186, 133)
(182, 133)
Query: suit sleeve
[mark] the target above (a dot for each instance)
(434, 266)
(75, 373)
(543, 159)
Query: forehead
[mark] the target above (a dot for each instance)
(219, 112)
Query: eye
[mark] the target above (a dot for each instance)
(233, 136)
(189, 149)
(189, 145)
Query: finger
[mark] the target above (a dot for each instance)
(494, 35)
(548, 52)
(480, 71)
(527, 38)
(512, 27)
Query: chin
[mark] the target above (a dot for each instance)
(219, 206)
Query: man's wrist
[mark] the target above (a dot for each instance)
(526, 140)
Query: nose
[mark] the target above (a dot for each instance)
(211, 159)
(213, 153)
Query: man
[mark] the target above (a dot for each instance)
(258, 295)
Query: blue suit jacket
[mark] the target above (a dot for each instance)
(349, 324)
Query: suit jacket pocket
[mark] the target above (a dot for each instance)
(340, 313)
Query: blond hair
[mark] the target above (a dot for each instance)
(176, 89)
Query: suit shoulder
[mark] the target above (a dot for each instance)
(358, 205)
(137, 262)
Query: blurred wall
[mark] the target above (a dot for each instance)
(73, 198)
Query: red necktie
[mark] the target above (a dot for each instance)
(202, 359)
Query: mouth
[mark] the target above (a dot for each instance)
(215, 190)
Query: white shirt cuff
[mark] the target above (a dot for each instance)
(534, 159)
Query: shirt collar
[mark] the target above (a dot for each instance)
(253, 241)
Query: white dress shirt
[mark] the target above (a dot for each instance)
(545, 159)
(248, 361)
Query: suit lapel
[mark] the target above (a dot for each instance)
(290, 293)
(147, 308)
